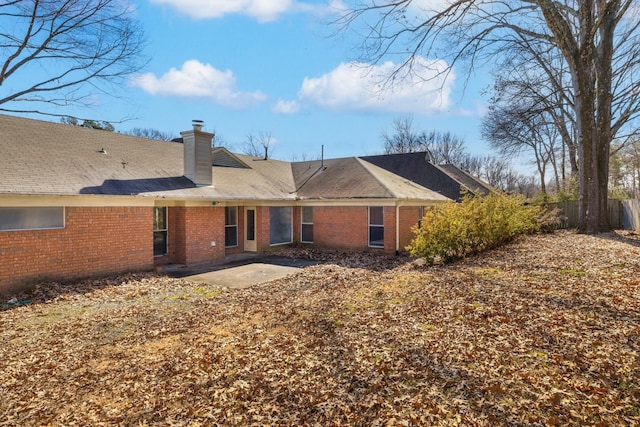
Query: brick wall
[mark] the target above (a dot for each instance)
(96, 241)
(347, 227)
(263, 227)
(204, 225)
(191, 231)
(389, 228)
(409, 216)
(297, 226)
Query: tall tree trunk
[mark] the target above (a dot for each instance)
(594, 176)
(591, 74)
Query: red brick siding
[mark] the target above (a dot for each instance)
(263, 226)
(203, 225)
(96, 241)
(389, 228)
(297, 224)
(347, 227)
(191, 231)
(408, 218)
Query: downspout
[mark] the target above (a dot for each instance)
(397, 229)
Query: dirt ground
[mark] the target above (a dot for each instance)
(544, 331)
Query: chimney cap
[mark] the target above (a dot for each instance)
(197, 124)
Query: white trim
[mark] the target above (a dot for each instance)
(302, 223)
(250, 245)
(72, 201)
(229, 226)
(94, 200)
(166, 230)
(374, 225)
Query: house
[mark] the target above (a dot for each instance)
(78, 202)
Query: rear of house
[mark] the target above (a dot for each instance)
(78, 202)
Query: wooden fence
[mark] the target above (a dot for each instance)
(631, 214)
(623, 214)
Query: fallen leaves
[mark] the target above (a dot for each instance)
(543, 331)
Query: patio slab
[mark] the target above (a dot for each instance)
(240, 271)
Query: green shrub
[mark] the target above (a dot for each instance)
(454, 230)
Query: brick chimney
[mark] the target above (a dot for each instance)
(197, 154)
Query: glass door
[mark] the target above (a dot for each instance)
(250, 229)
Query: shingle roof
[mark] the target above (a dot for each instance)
(446, 180)
(417, 168)
(38, 157)
(400, 187)
(336, 179)
(472, 183)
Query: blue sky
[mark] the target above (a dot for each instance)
(271, 66)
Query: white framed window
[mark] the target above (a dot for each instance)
(280, 229)
(231, 226)
(376, 227)
(31, 218)
(420, 215)
(306, 235)
(160, 231)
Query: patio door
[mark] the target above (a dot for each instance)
(250, 229)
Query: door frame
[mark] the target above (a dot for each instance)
(250, 245)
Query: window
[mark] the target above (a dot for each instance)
(280, 230)
(160, 231)
(307, 224)
(31, 218)
(231, 226)
(376, 227)
(420, 215)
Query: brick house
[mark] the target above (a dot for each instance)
(77, 202)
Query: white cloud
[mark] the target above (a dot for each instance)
(198, 80)
(430, 5)
(261, 10)
(360, 87)
(286, 107)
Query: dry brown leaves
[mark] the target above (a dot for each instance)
(545, 331)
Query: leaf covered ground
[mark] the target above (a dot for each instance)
(544, 331)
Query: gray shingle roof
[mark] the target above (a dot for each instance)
(472, 183)
(446, 180)
(354, 178)
(38, 157)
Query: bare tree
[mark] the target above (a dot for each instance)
(443, 147)
(91, 124)
(150, 134)
(258, 145)
(625, 168)
(524, 80)
(57, 53)
(403, 139)
(515, 128)
(593, 38)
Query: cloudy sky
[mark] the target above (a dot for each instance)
(272, 67)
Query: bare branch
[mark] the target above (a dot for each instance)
(84, 46)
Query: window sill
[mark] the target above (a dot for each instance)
(280, 244)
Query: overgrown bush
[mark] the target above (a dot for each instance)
(454, 230)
